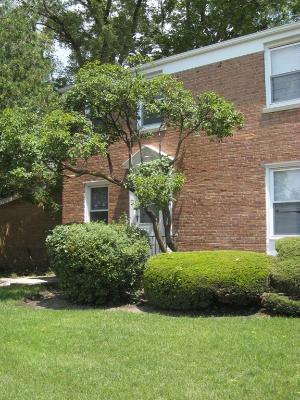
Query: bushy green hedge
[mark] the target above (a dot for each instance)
(195, 280)
(280, 304)
(288, 247)
(285, 276)
(98, 263)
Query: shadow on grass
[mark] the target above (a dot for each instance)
(216, 311)
(55, 300)
(18, 292)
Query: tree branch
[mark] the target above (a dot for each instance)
(81, 172)
(63, 32)
(133, 28)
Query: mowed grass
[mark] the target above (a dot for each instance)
(102, 354)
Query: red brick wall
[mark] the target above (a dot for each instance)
(23, 230)
(222, 205)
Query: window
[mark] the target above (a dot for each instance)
(283, 75)
(286, 202)
(96, 202)
(283, 188)
(150, 120)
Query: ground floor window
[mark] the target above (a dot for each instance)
(283, 190)
(96, 202)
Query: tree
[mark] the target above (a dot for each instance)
(113, 30)
(63, 140)
(105, 30)
(178, 26)
(25, 94)
(156, 185)
(25, 59)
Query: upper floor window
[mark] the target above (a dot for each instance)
(150, 120)
(283, 75)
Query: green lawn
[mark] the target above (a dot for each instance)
(101, 354)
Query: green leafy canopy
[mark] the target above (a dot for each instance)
(155, 183)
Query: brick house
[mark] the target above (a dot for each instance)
(243, 193)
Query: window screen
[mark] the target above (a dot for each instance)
(286, 207)
(151, 118)
(99, 204)
(285, 73)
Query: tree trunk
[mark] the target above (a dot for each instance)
(167, 220)
(158, 236)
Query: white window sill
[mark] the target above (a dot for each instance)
(276, 237)
(282, 107)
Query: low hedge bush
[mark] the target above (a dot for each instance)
(285, 276)
(97, 263)
(288, 247)
(280, 304)
(195, 280)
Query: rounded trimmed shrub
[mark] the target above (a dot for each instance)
(279, 304)
(288, 247)
(195, 280)
(285, 276)
(97, 263)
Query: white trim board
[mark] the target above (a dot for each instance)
(241, 46)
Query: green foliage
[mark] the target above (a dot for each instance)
(195, 280)
(102, 30)
(25, 95)
(98, 263)
(114, 95)
(25, 60)
(114, 31)
(218, 116)
(43, 144)
(288, 247)
(285, 276)
(279, 304)
(179, 26)
(22, 168)
(155, 183)
(69, 136)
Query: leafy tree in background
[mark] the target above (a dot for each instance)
(25, 59)
(25, 94)
(183, 25)
(113, 30)
(105, 30)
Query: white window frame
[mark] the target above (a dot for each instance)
(270, 169)
(87, 197)
(268, 77)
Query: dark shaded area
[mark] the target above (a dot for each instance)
(54, 299)
(23, 230)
